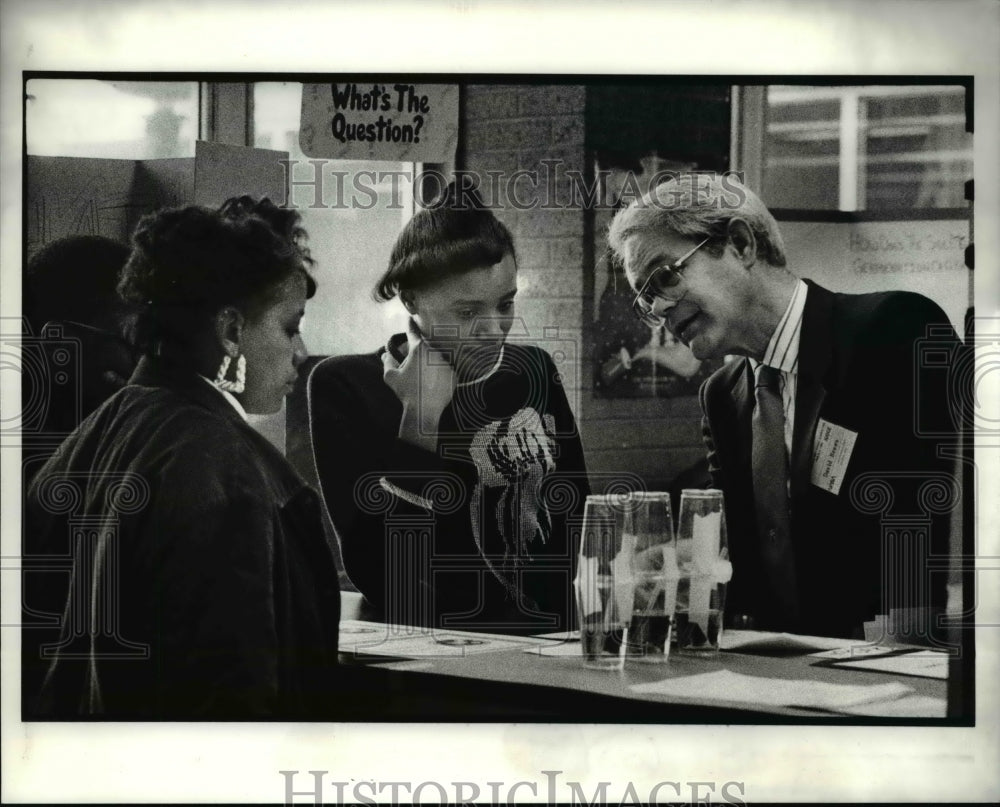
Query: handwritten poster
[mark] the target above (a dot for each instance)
(380, 120)
(927, 257)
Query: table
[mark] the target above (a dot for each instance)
(511, 685)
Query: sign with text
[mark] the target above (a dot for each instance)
(925, 256)
(380, 120)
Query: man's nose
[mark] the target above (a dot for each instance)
(661, 305)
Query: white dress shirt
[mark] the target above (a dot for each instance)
(782, 353)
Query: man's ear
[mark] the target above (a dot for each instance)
(743, 241)
(408, 302)
(229, 330)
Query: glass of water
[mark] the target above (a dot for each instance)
(649, 539)
(703, 560)
(603, 583)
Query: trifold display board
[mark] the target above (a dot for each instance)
(71, 196)
(925, 256)
(93, 196)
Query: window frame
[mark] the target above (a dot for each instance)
(749, 147)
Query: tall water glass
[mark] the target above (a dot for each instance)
(603, 584)
(649, 539)
(703, 558)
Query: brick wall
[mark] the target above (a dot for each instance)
(508, 128)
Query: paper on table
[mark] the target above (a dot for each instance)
(724, 685)
(356, 633)
(925, 664)
(856, 651)
(764, 641)
(381, 639)
(563, 635)
(562, 649)
(440, 645)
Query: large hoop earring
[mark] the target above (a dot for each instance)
(240, 383)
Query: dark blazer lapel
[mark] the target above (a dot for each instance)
(815, 355)
(742, 399)
(741, 394)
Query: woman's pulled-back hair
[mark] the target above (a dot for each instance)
(453, 235)
(187, 263)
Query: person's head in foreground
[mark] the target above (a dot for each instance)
(454, 269)
(222, 292)
(705, 258)
(69, 293)
(73, 279)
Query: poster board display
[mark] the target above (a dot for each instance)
(927, 257)
(69, 196)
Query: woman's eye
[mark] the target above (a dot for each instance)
(466, 313)
(507, 307)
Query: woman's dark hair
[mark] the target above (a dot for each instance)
(189, 262)
(452, 235)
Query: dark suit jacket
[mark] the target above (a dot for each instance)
(218, 590)
(863, 365)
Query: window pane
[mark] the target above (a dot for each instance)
(917, 151)
(364, 206)
(866, 147)
(802, 150)
(132, 120)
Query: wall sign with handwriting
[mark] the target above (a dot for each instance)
(380, 120)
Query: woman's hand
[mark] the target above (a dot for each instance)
(424, 382)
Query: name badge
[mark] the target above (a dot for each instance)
(832, 450)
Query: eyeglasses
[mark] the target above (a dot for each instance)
(660, 279)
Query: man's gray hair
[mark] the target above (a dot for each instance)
(699, 206)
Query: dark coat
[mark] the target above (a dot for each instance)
(465, 560)
(862, 366)
(198, 557)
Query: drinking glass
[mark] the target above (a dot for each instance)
(649, 539)
(603, 584)
(703, 559)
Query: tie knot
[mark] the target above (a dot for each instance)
(768, 377)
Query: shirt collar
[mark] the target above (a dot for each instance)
(782, 351)
(400, 344)
(229, 397)
(488, 373)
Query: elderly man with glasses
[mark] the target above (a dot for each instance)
(812, 430)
